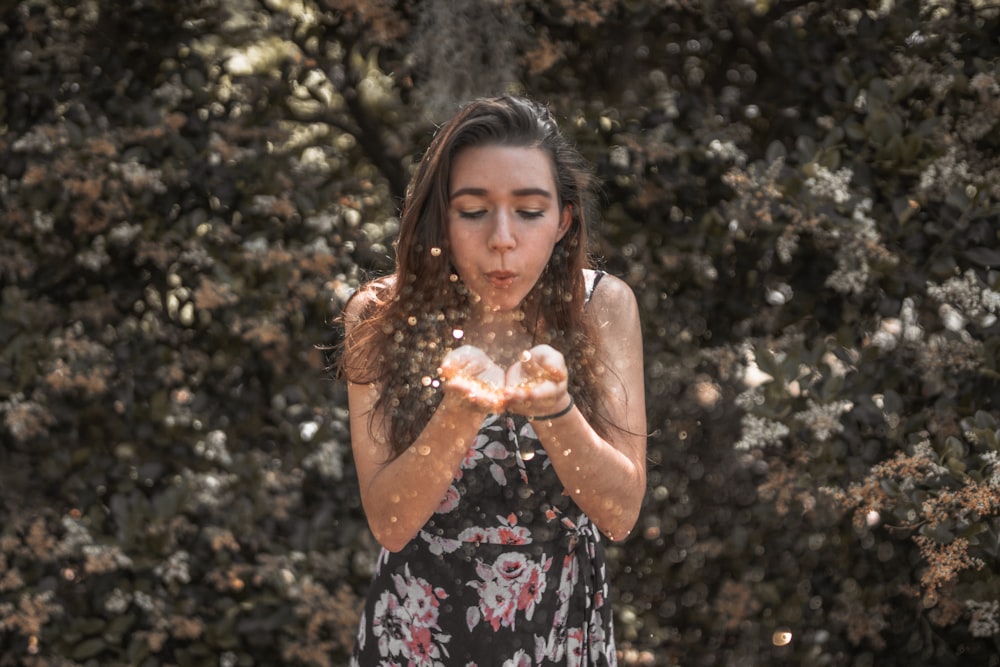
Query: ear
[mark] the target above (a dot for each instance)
(565, 221)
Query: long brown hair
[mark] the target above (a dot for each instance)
(409, 323)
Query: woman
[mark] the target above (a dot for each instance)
(495, 384)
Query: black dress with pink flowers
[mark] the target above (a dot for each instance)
(508, 571)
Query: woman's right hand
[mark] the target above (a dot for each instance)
(471, 374)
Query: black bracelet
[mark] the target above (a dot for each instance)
(555, 415)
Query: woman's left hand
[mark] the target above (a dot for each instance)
(538, 382)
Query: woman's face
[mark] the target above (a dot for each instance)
(504, 220)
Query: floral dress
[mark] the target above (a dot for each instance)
(507, 572)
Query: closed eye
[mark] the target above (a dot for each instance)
(531, 215)
(472, 215)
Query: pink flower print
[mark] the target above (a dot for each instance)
(422, 650)
(531, 590)
(404, 623)
(511, 584)
(450, 500)
(496, 451)
(519, 659)
(476, 535)
(512, 535)
(472, 617)
(498, 474)
(473, 454)
(509, 532)
(509, 567)
(574, 647)
(497, 604)
(419, 600)
(570, 575)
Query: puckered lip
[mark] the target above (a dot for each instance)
(501, 278)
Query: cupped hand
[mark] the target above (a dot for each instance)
(538, 382)
(469, 372)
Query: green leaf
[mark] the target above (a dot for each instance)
(89, 648)
(768, 363)
(988, 257)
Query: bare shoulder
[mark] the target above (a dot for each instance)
(366, 298)
(613, 301)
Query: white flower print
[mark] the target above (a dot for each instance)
(450, 500)
(390, 625)
(508, 532)
(519, 659)
(473, 455)
(406, 623)
(439, 545)
(574, 647)
(511, 584)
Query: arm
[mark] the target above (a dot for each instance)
(605, 477)
(400, 494)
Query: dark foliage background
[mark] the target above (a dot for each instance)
(804, 196)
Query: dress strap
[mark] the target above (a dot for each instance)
(593, 286)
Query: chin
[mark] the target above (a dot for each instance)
(499, 301)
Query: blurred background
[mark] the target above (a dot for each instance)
(804, 196)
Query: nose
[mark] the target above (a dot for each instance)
(502, 235)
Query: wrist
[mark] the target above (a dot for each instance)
(555, 415)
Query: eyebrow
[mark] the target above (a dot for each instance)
(520, 192)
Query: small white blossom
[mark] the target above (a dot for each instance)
(175, 569)
(965, 297)
(924, 451)
(76, 538)
(327, 460)
(759, 432)
(117, 602)
(831, 185)
(983, 617)
(96, 257)
(208, 489)
(213, 448)
(42, 139)
(854, 253)
(992, 459)
(726, 150)
(145, 601)
(823, 419)
(123, 233)
(944, 173)
(43, 221)
(140, 178)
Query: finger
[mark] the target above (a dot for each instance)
(476, 392)
(467, 359)
(537, 368)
